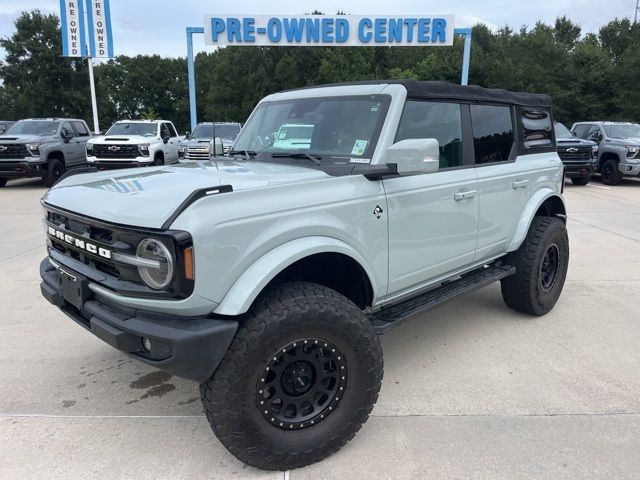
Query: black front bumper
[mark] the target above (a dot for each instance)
(188, 347)
(20, 169)
(578, 170)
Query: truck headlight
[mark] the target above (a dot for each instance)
(34, 149)
(159, 273)
(632, 150)
(89, 148)
(182, 150)
(144, 149)
(594, 149)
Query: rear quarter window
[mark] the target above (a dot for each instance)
(536, 130)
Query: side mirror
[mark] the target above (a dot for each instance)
(416, 155)
(165, 138)
(187, 135)
(66, 135)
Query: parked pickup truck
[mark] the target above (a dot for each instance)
(618, 148)
(198, 144)
(134, 143)
(42, 147)
(580, 157)
(267, 275)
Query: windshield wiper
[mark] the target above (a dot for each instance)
(314, 158)
(247, 153)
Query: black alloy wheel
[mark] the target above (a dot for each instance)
(549, 268)
(301, 384)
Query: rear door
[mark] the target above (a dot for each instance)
(504, 182)
(433, 218)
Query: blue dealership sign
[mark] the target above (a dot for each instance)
(328, 31)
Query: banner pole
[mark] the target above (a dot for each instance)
(94, 103)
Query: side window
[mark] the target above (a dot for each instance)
(441, 121)
(66, 126)
(164, 131)
(492, 133)
(536, 128)
(581, 131)
(172, 130)
(81, 129)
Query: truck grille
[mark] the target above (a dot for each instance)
(116, 151)
(13, 151)
(198, 153)
(575, 154)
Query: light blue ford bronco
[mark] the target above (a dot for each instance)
(268, 275)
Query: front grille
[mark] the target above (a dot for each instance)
(101, 237)
(12, 151)
(69, 235)
(577, 154)
(198, 153)
(116, 151)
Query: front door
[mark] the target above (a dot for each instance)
(433, 218)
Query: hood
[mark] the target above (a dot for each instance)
(630, 140)
(25, 139)
(147, 197)
(124, 139)
(198, 141)
(574, 142)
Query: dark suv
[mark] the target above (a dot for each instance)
(579, 156)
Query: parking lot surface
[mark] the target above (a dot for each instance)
(471, 390)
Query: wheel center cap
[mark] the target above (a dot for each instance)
(298, 378)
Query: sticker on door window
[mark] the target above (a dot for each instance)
(359, 147)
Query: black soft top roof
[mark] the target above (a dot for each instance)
(450, 91)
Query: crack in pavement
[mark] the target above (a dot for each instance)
(604, 230)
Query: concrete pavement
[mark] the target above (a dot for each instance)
(471, 390)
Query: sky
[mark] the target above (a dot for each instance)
(158, 27)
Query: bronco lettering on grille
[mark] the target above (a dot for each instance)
(79, 243)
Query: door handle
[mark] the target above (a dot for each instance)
(464, 195)
(520, 184)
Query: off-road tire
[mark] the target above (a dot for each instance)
(286, 313)
(609, 172)
(158, 161)
(524, 291)
(55, 170)
(581, 181)
(3, 181)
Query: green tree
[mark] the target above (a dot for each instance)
(36, 80)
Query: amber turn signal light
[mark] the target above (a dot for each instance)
(188, 263)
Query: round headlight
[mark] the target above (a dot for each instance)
(159, 275)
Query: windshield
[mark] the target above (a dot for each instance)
(562, 131)
(336, 127)
(222, 131)
(622, 131)
(133, 128)
(41, 128)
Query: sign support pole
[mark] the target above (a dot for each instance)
(94, 103)
(192, 75)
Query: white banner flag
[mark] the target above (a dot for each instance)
(100, 36)
(72, 25)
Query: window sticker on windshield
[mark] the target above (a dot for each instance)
(359, 160)
(359, 147)
(282, 135)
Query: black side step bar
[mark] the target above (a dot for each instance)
(388, 317)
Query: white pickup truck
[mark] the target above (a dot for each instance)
(134, 143)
